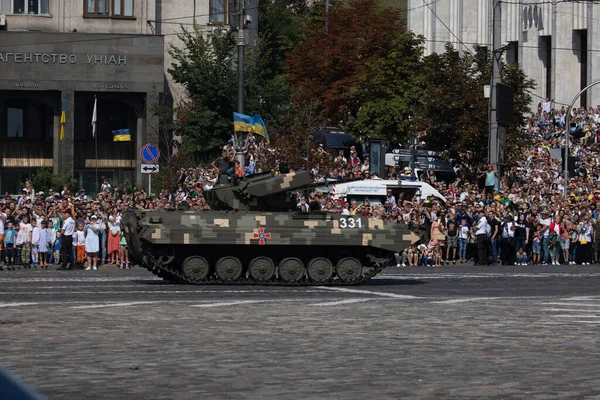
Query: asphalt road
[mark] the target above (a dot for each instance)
(450, 332)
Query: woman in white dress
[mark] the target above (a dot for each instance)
(92, 243)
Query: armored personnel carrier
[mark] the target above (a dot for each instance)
(254, 234)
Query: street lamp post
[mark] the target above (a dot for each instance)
(497, 51)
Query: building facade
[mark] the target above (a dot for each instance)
(556, 45)
(63, 56)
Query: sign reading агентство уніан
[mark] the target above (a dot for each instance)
(61, 58)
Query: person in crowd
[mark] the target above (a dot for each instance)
(79, 244)
(451, 241)
(66, 235)
(35, 242)
(43, 244)
(521, 256)
(9, 245)
(463, 237)
(537, 248)
(124, 253)
(92, 243)
(584, 251)
(56, 248)
(413, 256)
(114, 239)
(24, 241)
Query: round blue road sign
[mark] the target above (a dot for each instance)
(150, 153)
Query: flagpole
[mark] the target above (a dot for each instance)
(96, 145)
(96, 142)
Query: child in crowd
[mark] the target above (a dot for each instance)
(24, 240)
(422, 248)
(51, 240)
(437, 252)
(463, 237)
(56, 248)
(124, 253)
(430, 254)
(20, 239)
(537, 248)
(413, 256)
(9, 246)
(43, 244)
(79, 243)
(554, 248)
(521, 257)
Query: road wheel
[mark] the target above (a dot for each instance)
(320, 269)
(261, 269)
(229, 268)
(349, 269)
(291, 269)
(196, 268)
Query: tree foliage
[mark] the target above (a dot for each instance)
(206, 67)
(391, 92)
(330, 63)
(45, 179)
(438, 97)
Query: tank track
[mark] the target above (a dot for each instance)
(152, 264)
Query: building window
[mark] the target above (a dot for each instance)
(27, 119)
(15, 121)
(96, 7)
(122, 8)
(218, 11)
(31, 7)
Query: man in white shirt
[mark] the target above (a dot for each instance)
(66, 248)
(481, 232)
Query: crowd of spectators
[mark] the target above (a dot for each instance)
(526, 216)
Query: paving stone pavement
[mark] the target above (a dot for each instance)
(455, 334)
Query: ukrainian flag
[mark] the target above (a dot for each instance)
(63, 120)
(246, 123)
(121, 135)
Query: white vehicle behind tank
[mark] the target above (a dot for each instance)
(376, 190)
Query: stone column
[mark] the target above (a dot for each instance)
(64, 154)
(56, 143)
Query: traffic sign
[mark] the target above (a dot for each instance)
(149, 168)
(150, 153)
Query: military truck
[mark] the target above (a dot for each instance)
(254, 235)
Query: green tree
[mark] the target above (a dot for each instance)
(329, 63)
(206, 66)
(455, 114)
(281, 29)
(391, 92)
(45, 179)
(514, 76)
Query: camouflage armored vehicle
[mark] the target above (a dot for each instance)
(254, 235)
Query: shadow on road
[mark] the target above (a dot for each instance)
(377, 282)
(394, 282)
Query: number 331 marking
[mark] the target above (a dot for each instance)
(350, 223)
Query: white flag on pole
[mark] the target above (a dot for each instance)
(94, 119)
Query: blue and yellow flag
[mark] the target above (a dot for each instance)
(121, 135)
(63, 120)
(246, 123)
